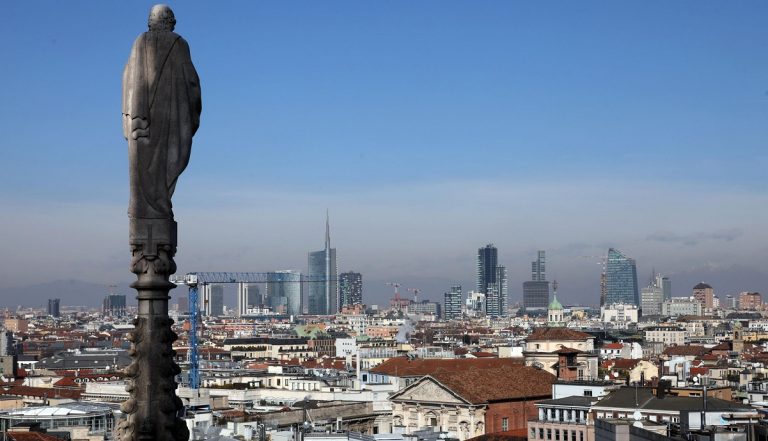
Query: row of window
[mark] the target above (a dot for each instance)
(559, 434)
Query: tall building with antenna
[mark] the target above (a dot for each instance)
(323, 290)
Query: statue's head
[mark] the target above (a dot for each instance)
(161, 18)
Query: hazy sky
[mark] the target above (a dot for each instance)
(428, 129)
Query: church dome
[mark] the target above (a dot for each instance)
(555, 304)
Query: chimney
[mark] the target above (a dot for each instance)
(661, 389)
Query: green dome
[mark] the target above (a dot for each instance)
(555, 304)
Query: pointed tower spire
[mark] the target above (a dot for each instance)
(327, 231)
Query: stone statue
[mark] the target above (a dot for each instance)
(161, 113)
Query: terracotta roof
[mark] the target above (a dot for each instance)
(403, 367)
(481, 354)
(499, 384)
(699, 371)
(567, 350)
(625, 363)
(613, 346)
(544, 334)
(686, 350)
(41, 392)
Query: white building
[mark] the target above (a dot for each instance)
(679, 306)
(345, 347)
(667, 335)
(620, 314)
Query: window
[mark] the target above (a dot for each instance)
(557, 434)
(587, 393)
(549, 433)
(541, 433)
(573, 435)
(581, 435)
(504, 424)
(433, 422)
(533, 433)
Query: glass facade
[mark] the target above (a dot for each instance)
(535, 295)
(283, 292)
(621, 279)
(217, 301)
(322, 289)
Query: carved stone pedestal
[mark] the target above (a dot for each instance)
(153, 409)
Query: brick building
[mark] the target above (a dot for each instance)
(470, 403)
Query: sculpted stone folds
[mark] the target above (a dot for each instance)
(161, 113)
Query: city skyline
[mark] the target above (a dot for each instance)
(602, 135)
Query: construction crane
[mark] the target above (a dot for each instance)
(603, 262)
(197, 279)
(398, 302)
(415, 292)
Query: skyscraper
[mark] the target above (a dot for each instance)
(536, 290)
(666, 287)
(539, 267)
(323, 297)
(350, 288)
(114, 305)
(284, 292)
(651, 297)
(254, 295)
(496, 297)
(53, 307)
(217, 301)
(487, 261)
(621, 279)
(452, 303)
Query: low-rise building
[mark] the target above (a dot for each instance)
(466, 404)
(666, 335)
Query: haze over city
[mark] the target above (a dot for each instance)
(426, 129)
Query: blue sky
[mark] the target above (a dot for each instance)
(427, 128)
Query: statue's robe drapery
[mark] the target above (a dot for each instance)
(160, 86)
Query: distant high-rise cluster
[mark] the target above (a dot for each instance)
(492, 281)
(536, 290)
(114, 305)
(621, 279)
(54, 308)
(323, 290)
(350, 288)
